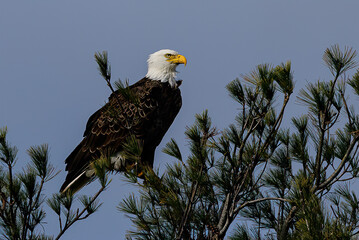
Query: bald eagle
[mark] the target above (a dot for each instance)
(159, 101)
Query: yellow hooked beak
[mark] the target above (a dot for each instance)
(177, 59)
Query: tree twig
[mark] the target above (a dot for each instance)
(78, 215)
(257, 201)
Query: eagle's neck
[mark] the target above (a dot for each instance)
(163, 74)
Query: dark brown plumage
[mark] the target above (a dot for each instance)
(106, 132)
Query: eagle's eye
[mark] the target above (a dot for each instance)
(168, 55)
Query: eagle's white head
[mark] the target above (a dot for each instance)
(162, 66)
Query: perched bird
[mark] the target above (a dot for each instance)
(147, 120)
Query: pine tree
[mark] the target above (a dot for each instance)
(289, 183)
(22, 198)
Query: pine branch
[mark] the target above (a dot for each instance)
(199, 135)
(188, 207)
(105, 70)
(258, 201)
(79, 215)
(329, 180)
(346, 109)
(282, 235)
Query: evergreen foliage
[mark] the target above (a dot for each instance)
(277, 183)
(21, 211)
(22, 198)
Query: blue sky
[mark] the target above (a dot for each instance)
(49, 84)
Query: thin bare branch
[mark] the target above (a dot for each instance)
(329, 180)
(259, 200)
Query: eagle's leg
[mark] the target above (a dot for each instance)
(118, 161)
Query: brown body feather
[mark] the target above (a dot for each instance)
(108, 128)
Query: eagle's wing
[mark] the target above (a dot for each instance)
(108, 128)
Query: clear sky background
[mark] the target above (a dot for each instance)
(49, 83)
